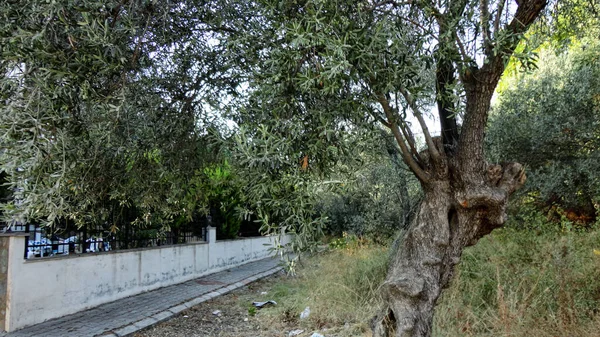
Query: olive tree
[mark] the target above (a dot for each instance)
(104, 107)
(548, 120)
(329, 67)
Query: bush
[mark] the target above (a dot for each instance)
(379, 202)
(550, 120)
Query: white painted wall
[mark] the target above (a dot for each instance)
(41, 289)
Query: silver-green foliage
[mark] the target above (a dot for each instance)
(549, 119)
(375, 201)
(310, 102)
(100, 103)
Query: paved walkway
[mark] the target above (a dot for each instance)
(128, 315)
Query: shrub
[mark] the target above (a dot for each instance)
(550, 120)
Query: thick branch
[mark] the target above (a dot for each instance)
(446, 109)
(406, 156)
(525, 15)
(435, 155)
(480, 85)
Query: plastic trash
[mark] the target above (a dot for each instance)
(305, 313)
(316, 334)
(217, 312)
(261, 305)
(295, 332)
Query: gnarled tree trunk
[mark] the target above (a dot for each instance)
(465, 199)
(451, 217)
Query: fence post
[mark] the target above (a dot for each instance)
(212, 234)
(11, 254)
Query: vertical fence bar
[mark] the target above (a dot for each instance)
(26, 248)
(27, 241)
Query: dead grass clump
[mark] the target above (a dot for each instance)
(340, 287)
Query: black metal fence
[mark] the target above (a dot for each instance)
(55, 241)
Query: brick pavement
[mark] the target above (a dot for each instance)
(128, 315)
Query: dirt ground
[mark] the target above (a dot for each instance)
(236, 318)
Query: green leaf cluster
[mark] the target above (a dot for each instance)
(100, 107)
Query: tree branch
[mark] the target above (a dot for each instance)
(408, 135)
(480, 85)
(379, 118)
(445, 77)
(405, 152)
(435, 155)
(484, 21)
(526, 13)
(411, 142)
(498, 16)
(465, 58)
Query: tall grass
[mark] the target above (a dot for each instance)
(340, 287)
(512, 283)
(517, 283)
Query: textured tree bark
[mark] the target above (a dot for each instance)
(465, 199)
(451, 217)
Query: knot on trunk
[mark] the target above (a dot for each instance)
(490, 199)
(408, 285)
(502, 181)
(508, 176)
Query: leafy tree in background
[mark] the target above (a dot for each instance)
(375, 198)
(100, 107)
(5, 193)
(549, 119)
(221, 190)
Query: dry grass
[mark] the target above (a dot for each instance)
(519, 284)
(340, 287)
(510, 284)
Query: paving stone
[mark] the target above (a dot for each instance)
(146, 322)
(163, 315)
(178, 308)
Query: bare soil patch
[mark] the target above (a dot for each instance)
(237, 317)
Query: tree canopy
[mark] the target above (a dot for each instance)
(105, 104)
(117, 104)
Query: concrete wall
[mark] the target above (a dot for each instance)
(41, 289)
